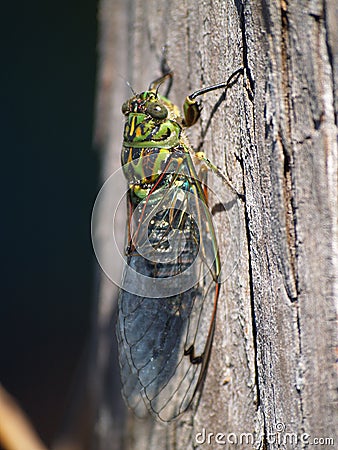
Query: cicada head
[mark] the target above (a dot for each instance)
(148, 103)
(151, 121)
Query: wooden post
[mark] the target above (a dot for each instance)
(271, 373)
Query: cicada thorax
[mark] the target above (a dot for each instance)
(144, 165)
(147, 168)
(142, 130)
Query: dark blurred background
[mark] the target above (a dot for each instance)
(49, 183)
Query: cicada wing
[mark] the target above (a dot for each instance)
(151, 359)
(131, 386)
(156, 342)
(164, 340)
(176, 394)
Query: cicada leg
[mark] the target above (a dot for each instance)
(192, 111)
(217, 171)
(191, 107)
(154, 86)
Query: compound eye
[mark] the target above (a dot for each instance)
(125, 107)
(157, 111)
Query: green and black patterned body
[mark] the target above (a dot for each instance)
(165, 330)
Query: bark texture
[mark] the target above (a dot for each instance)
(272, 368)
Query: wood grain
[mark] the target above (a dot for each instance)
(272, 366)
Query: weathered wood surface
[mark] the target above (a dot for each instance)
(272, 364)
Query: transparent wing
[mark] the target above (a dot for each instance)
(165, 332)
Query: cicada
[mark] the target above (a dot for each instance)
(168, 302)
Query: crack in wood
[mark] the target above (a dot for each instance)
(290, 218)
(251, 88)
(284, 138)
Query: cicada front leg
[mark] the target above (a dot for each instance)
(192, 111)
